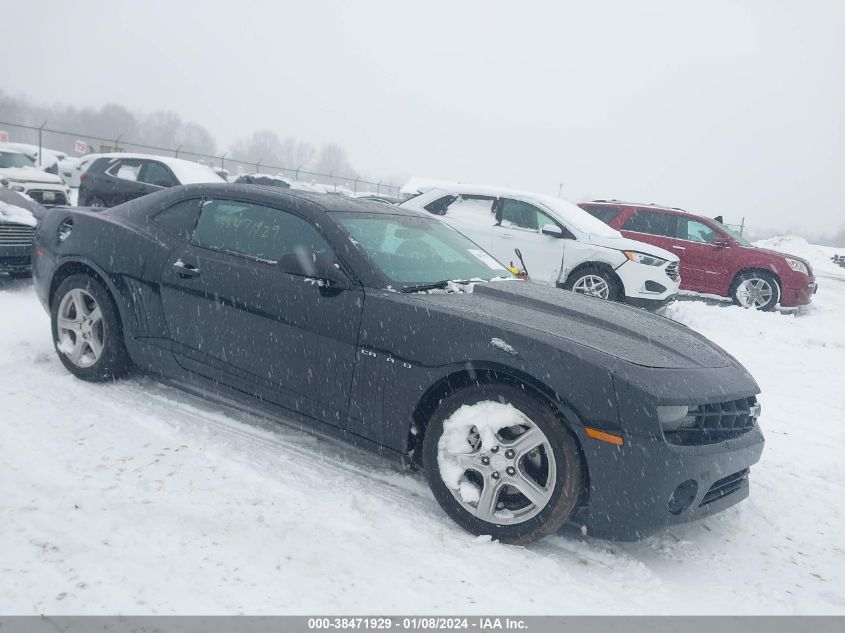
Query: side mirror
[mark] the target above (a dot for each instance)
(720, 242)
(319, 268)
(552, 230)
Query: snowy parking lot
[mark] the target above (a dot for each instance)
(136, 498)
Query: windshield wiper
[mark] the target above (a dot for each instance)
(438, 285)
(435, 285)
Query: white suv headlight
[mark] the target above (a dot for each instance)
(797, 266)
(642, 258)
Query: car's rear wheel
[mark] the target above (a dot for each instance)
(756, 290)
(86, 330)
(593, 282)
(501, 462)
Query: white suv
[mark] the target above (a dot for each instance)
(560, 243)
(19, 173)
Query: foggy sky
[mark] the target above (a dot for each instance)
(722, 108)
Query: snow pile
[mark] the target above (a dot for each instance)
(818, 256)
(16, 215)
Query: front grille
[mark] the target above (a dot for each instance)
(58, 197)
(672, 271)
(711, 423)
(725, 486)
(16, 234)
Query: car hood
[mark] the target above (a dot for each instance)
(30, 174)
(624, 244)
(623, 332)
(780, 255)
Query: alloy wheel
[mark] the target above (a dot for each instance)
(754, 293)
(507, 479)
(593, 286)
(80, 328)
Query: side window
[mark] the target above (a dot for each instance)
(515, 213)
(180, 218)
(440, 205)
(259, 232)
(125, 169)
(605, 214)
(154, 173)
(652, 223)
(695, 231)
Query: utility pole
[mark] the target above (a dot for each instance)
(559, 189)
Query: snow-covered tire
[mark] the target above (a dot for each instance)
(86, 328)
(757, 290)
(593, 281)
(455, 476)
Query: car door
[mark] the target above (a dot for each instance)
(520, 225)
(234, 315)
(121, 182)
(704, 261)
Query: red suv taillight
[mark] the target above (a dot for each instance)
(82, 177)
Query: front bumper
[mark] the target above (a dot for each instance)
(43, 193)
(649, 284)
(631, 486)
(798, 294)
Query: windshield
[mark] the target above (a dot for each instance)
(10, 159)
(734, 234)
(419, 250)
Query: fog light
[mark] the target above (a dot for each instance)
(683, 496)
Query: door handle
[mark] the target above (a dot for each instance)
(679, 248)
(186, 270)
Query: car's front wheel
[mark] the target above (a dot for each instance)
(593, 282)
(500, 462)
(757, 290)
(86, 330)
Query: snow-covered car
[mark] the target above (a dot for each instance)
(19, 173)
(561, 245)
(268, 180)
(52, 161)
(19, 216)
(118, 177)
(72, 168)
(527, 407)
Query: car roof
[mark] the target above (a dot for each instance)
(9, 150)
(643, 205)
(330, 203)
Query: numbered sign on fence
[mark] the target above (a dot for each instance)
(4, 136)
(80, 147)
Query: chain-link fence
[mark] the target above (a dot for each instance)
(78, 143)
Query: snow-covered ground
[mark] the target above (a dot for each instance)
(136, 498)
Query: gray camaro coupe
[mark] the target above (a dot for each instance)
(526, 407)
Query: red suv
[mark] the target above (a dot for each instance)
(714, 259)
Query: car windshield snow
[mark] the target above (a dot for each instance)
(13, 159)
(418, 251)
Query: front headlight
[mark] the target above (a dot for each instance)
(18, 188)
(797, 266)
(642, 258)
(671, 418)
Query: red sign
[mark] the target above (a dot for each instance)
(4, 136)
(81, 147)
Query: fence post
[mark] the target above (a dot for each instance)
(223, 161)
(378, 188)
(40, 152)
(297, 174)
(176, 151)
(258, 166)
(116, 142)
(355, 186)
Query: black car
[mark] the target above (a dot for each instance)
(116, 178)
(18, 217)
(526, 407)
